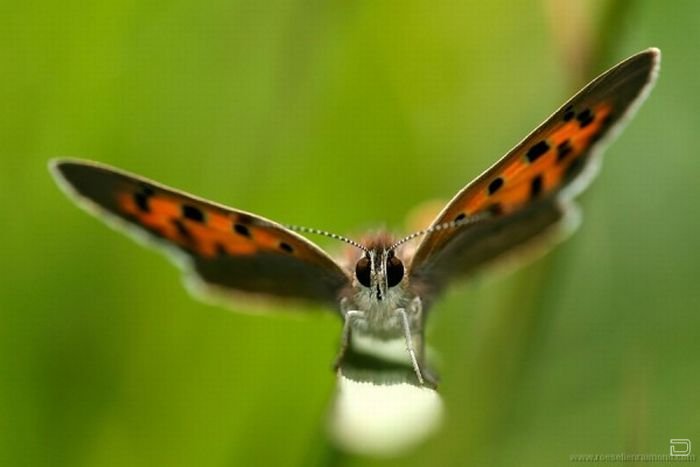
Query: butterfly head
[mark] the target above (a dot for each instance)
(379, 269)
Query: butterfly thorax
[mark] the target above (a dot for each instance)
(380, 318)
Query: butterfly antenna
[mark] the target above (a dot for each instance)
(442, 226)
(311, 230)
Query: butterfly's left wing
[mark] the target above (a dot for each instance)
(224, 249)
(525, 195)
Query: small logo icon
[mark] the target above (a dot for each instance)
(679, 447)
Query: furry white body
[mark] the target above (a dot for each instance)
(380, 318)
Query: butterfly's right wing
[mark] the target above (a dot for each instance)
(225, 250)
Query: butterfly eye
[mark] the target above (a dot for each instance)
(362, 271)
(394, 271)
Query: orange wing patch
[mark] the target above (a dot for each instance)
(199, 230)
(537, 170)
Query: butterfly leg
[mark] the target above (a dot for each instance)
(416, 309)
(348, 317)
(409, 344)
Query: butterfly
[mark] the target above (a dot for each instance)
(384, 286)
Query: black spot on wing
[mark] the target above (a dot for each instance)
(564, 149)
(460, 217)
(284, 246)
(241, 229)
(537, 151)
(569, 113)
(495, 185)
(142, 197)
(192, 213)
(536, 186)
(141, 201)
(585, 118)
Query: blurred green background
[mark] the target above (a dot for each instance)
(342, 116)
